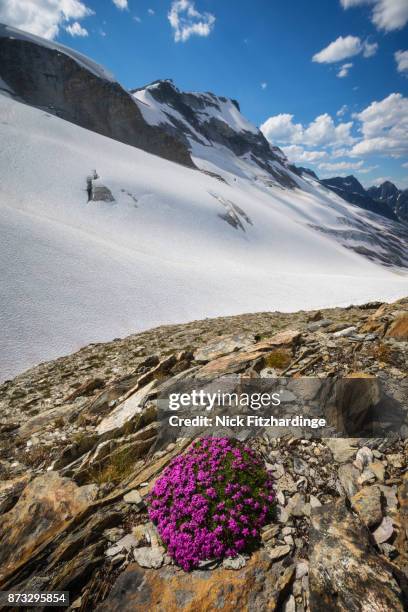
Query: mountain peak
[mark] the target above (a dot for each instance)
(161, 88)
(206, 123)
(350, 189)
(349, 184)
(384, 190)
(385, 199)
(388, 184)
(391, 196)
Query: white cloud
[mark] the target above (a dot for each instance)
(339, 49)
(344, 70)
(369, 49)
(350, 3)
(323, 132)
(367, 169)
(380, 129)
(264, 85)
(122, 5)
(339, 152)
(75, 29)
(341, 166)
(384, 127)
(151, 12)
(345, 168)
(137, 19)
(390, 15)
(42, 17)
(344, 47)
(387, 15)
(342, 111)
(186, 21)
(401, 57)
(380, 145)
(380, 116)
(299, 155)
(320, 132)
(280, 128)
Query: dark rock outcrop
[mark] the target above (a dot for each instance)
(401, 207)
(52, 80)
(396, 199)
(301, 171)
(386, 192)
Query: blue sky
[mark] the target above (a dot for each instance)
(272, 56)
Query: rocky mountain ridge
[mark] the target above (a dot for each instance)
(212, 126)
(386, 199)
(80, 449)
(65, 84)
(56, 79)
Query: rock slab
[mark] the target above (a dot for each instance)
(345, 573)
(260, 585)
(45, 507)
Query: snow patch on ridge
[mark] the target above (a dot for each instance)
(225, 110)
(215, 107)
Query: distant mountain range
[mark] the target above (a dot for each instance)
(393, 197)
(386, 199)
(205, 119)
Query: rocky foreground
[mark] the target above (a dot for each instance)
(79, 451)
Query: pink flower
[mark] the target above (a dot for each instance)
(194, 502)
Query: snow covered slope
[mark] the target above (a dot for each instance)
(175, 243)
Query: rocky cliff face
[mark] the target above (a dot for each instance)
(49, 78)
(80, 449)
(386, 192)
